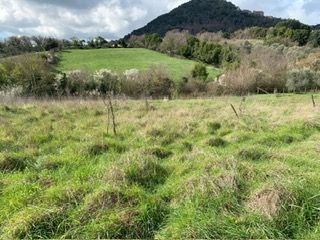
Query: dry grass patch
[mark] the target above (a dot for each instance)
(267, 202)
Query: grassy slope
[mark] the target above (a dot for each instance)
(123, 59)
(188, 169)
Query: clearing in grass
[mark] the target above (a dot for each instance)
(122, 59)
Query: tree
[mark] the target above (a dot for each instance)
(51, 43)
(200, 72)
(314, 39)
(188, 50)
(210, 53)
(13, 46)
(174, 41)
(292, 30)
(77, 43)
(153, 41)
(2, 48)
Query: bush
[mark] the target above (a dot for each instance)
(191, 86)
(263, 68)
(33, 74)
(291, 30)
(314, 39)
(4, 80)
(210, 53)
(174, 42)
(303, 80)
(200, 72)
(154, 82)
(107, 81)
(153, 41)
(75, 82)
(132, 84)
(157, 82)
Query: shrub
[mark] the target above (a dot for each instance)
(4, 81)
(263, 67)
(210, 53)
(314, 39)
(157, 82)
(153, 41)
(32, 73)
(132, 84)
(76, 81)
(174, 42)
(191, 86)
(215, 88)
(303, 80)
(291, 30)
(107, 81)
(200, 72)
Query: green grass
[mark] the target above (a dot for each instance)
(186, 170)
(120, 60)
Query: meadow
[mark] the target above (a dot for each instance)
(182, 169)
(122, 59)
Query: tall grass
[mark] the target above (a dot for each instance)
(187, 169)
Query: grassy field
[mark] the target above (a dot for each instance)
(186, 169)
(120, 60)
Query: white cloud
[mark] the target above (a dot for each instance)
(115, 18)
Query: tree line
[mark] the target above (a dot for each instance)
(16, 45)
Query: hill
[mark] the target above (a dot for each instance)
(206, 15)
(189, 169)
(317, 27)
(122, 59)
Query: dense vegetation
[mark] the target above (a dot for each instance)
(184, 169)
(283, 58)
(206, 15)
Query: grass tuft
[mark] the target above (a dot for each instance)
(254, 153)
(11, 163)
(214, 127)
(217, 142)
(146, 173)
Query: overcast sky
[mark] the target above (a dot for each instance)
(113, 19)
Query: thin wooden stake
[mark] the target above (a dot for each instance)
(313, 101)
(108, 121)
(235, 111)
(112, 114)
(147, 103)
